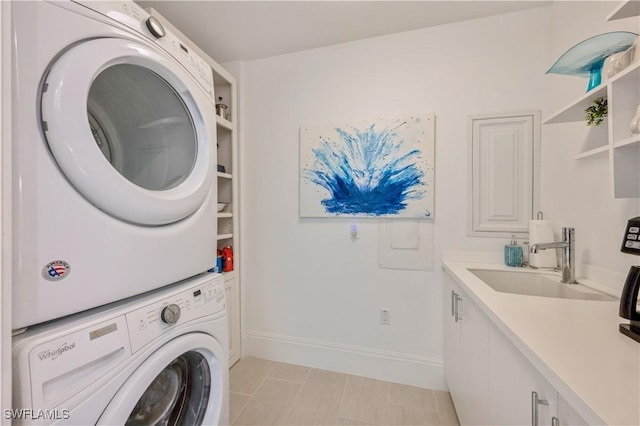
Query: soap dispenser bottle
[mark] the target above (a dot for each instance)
(513, 253)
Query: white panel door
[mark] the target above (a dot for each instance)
(502, 173)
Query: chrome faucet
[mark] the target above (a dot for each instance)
(568, 246)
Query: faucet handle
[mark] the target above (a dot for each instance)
(568, 234)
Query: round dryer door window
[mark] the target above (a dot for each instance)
(130, 130)
(142, 127)
(182, 383)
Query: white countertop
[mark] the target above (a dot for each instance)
(574, 344)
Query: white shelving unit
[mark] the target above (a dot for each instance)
(225, 86)
(625, 9)
(228, 219)
(623, 95)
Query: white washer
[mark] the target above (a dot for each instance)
(113, 154)
(155, 359)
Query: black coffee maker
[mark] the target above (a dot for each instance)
(629, 298)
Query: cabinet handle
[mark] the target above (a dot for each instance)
(555, 421)
(535, 401)
(453, 303)
(457, 311)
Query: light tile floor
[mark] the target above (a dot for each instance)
(272, 393)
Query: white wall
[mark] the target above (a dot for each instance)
(577, 192)
(311, 294)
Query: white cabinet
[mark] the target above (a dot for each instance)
(466, 355)
(568, 416)
(490, 380)
(511, 385)
(229, 218)
(232, 290)
(225, 87)
(621, 146)
(625, 9)
(504, 162)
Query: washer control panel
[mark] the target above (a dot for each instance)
(147, 323)
(138, 19)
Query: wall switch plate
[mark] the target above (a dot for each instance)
(385, 316)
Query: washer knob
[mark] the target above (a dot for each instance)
(170, 314)
(155, 27)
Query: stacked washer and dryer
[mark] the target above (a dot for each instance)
(115, 319)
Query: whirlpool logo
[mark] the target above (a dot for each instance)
(52, 354)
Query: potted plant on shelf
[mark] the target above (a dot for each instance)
(596, 113)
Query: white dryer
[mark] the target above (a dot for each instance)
(113, 156)
(158, 359)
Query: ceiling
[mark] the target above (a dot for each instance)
(245, 30)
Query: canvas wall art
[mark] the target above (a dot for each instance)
(373, 168)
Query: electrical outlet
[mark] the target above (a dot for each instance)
(385, 316)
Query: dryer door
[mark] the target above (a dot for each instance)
(182, 383)
(130, 130)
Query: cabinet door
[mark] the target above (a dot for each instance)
(466, 355)
(232, 288)
(451, 339)
(504, 162)
(474, 363)
(512, 380)
(567, 415)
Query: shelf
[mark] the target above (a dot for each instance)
(592, 152)
(622, 148)
(223, 215)
(225, 175)
(625, 9)
(224, 237)
(224, 123)
(575, 110)
(629, 141)
(629, 73)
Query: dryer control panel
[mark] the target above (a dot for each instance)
(147, 323)
(138, 19)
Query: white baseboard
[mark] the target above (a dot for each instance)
(408, 369)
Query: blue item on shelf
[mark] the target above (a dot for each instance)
(586, 58)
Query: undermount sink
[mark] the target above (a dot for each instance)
(535, 284)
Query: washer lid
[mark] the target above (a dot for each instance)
(130, 130)
(182, 383)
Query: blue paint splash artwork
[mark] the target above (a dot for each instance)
(377, 169)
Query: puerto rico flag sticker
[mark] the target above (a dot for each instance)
(56, 270)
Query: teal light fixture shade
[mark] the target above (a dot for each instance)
(586, 58)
